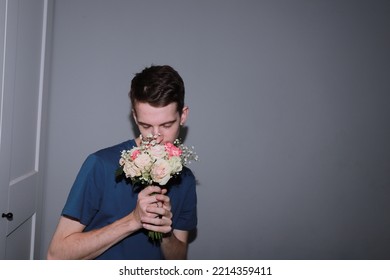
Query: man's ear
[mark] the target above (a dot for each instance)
(184, 115)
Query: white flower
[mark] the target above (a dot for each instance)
(143, 162)
(158, 151)
(176, 165)
(161, 172)
(131, 170)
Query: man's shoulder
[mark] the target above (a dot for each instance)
(126, 145)
(112, 153)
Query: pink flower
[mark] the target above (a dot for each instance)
(134, 154)
(172, 150)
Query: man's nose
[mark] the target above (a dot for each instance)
(157, 135)
(156, 131)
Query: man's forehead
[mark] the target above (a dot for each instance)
(147, 113)
(138, 106)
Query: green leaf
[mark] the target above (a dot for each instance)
(119, 172)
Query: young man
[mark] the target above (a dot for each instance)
(104, 218)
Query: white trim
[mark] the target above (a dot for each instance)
(22, 178)
(3, 69)
(32, 240)
(41, 85)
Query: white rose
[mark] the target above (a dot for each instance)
(131, 170)
(176, 165)
(158, 151)
(143, 162)
(161, 172)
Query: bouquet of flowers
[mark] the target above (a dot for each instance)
(154, 164)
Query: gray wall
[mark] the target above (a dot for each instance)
(289, 110)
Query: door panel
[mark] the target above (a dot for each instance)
(22, 195)
(26, 87)
(20, 242)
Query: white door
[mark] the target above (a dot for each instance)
(22, 94)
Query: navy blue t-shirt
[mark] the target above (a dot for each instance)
(98, 199)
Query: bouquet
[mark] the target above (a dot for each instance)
(154, 164)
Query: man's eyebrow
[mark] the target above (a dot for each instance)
(169, 122)
(165, 123)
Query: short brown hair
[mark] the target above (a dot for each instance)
(159, 86)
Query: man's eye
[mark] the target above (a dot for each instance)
(167, 125)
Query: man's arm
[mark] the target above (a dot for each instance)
(174, 245)
(70, 242)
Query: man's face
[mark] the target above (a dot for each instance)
(162, 122)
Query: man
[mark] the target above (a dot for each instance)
(104, 218)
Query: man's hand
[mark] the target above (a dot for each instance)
(153, 210)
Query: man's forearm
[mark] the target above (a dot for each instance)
(88, 245)
(173, 248)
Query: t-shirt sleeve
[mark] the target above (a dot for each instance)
(84, 197)
(187, 218)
